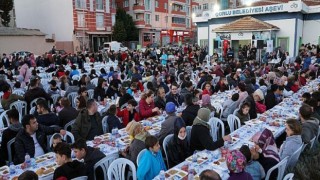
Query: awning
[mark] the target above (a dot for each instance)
(99, 33)
(246, 24)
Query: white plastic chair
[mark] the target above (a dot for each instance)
(289, 176)
(233, 122)
(139, 155)
(281, 166)
(166, 140)
(69, 124)
(65, 138)
(4, 116)
(219, 108)
(72, 96)
(21, 106)
(94, 81)
(76, 77)
(33, 103)
(293, 159)
(104, 164)
(18, 92)
(55, 98)
(216, 125)
(105, 126)
(9, 144)
(188, 129)
(32, 110)
(235, 111)
(80, 178)
(116, 169)
(90, 93)
(312, 142)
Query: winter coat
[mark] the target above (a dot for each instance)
(146, 109)
(189, 114)
(70, 170)
(289, 146)
(167, 127)
(309, 130)
(176, 99)
(114, 122)
(93, 155)
(124, 114)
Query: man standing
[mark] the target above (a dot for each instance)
(88, 123)
(32, 138)
(90, 156)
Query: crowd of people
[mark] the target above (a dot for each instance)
(184, 78)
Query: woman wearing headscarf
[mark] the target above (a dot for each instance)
(178, 147)
(236, 163)
(136, 131)
(265, 151)
(200, 134)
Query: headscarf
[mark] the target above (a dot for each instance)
(178, 124)
(236, 161)
(266, 142)
(205, 99)
(202, 117)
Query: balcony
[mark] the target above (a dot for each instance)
(178, 12)
(140, 23)
(138, 8)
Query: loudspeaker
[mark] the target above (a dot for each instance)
(215, 44)
(260, 44)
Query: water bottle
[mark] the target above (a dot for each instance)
(162, 175)
(99, 98)
(33, 163)
(116, 130)
(194, 157)
(190, 174)
(12, 169)
(113, 132)
(27, 160)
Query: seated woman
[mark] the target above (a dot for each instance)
(151, 162)
(146, 106)
(265, 151)
(137, 144)
(67, 169)
(258, 98)
(129, 113)
(253, 167)
(178, 147)
(236, 163)
(293, 140)
(200, 134)
(112, 120)
(99, 92)
(222, 85)
(243, 112)
(191, 110)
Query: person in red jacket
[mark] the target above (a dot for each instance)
(146, 105)
(128, 114)
(207, 89)
(302, 78)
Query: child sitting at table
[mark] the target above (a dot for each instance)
(151, 162)
(253, 167)
(243, 113)
(129, 113)
(55, 140)
(236, 163)
(132, 89)
(112, 120)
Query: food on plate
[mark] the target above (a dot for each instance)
(222, 160)
(15, 178)
(182, 174)
(216, 163)
(167, 175)
(204, 158)
(236, 135)
(51, 166)
(40, 171)
(199, 161)
(263, 119)
(40, 160)
(5, 172)
(147, 128)
(172, 172)
(185, 168)
(48, 171)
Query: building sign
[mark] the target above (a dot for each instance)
(250, 10)
(224, 36)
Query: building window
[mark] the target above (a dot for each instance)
(81, 4)
(205, 6)
(157, 17)
(148, 19)
(178, 20)
(81, 19)
(188, 11)
(137, 16)
(199, 7)
(165, 5)
(146, 37)
(147, 4)
(113, 19)
(99, 5)
(100, 20)
(157, 4)
(126, 3)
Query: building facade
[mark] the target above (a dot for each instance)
(92, 23)
(286, 25)
(161, 21)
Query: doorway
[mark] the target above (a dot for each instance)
(283, 42)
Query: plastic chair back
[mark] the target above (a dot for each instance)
(90, 93)
(281, 166)
(4, 120)
(139, 155)
(21, 106)
(216, 125)
(80, 178)
(219, 109)
(72, 96)
(18, 92)
(233, 122)
(293, 159)
(104, 164)
(117, 169)
(188, 129)
(9, 145)
(105, 126)
(55, 98)
(69, 125)
(288, 176)
(312, 142)
(166, 140)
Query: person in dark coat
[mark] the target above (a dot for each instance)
(10, 133)
(174, 96)
(200, 133)
(90, 156)
(112, 120)
(67, 169)
(67, 113)
(273, 96)
(178, 147)
(32, 138)
(35, 92)
(160, 100)
(124, 97)
(45, 117)
(190, 112)
(99, 91)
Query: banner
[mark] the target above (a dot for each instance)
(270, 46)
